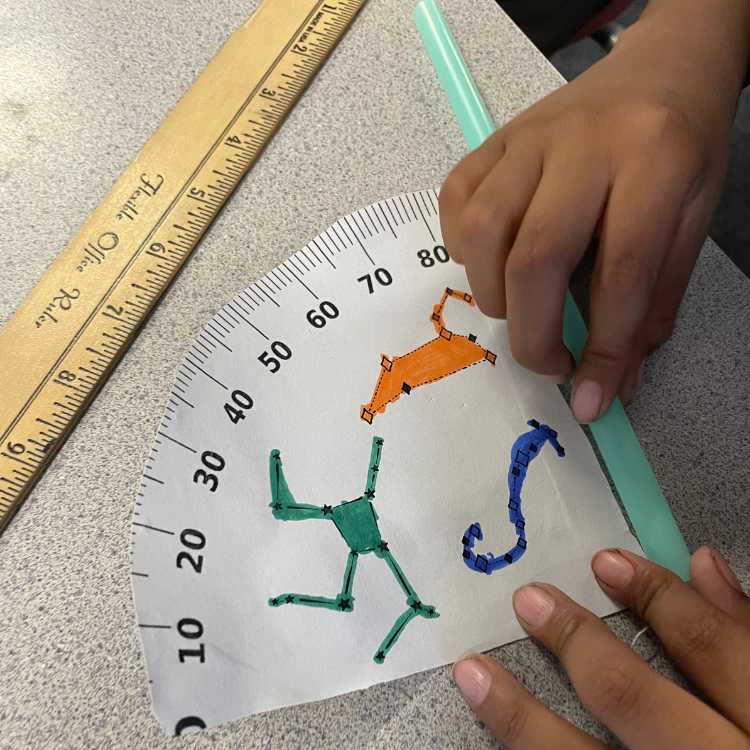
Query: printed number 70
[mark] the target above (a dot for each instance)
(382, 276)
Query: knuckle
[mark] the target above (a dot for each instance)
(509, 720)
(627, 273)
(479, 222)
(661, 128)
(567, 625)
(650, 589)
(698, 636)
(657, 121)
(455, 191)
(614, 692)
(605, 357)
(535, 255)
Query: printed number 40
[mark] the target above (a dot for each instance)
(240, 402)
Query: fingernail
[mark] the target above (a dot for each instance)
(533, 605)
(726, 572)
(473, 681)
(555, 379)
(587, 401)
(613, 569)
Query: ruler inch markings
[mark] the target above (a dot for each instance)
(135, 260)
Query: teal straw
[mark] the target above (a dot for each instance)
(644, 502)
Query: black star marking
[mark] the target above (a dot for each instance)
(380, 656)
(369, 493)
(275, 602)
(378, 441)
(376, 468)
(383, 546)
(416, 606)
(345, 605)
(277, 506)
(290, 599)
(327, 510)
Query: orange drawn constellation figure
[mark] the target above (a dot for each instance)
(444, 355)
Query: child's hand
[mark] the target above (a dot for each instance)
(705, 627)
(635, 151)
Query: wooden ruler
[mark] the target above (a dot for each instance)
(69, 333)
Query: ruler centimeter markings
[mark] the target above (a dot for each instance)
(69, 333)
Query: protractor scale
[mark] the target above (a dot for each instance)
(333, 435)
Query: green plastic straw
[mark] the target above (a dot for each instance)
(645, 505)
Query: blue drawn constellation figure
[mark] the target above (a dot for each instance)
(357, 522)
(525, 449)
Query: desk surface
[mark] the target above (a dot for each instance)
(80, 91)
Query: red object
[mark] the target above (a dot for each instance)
(602, 18)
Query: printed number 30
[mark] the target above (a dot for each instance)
(213, 461)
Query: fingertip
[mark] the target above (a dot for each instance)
(587, 400)
(708, 563)
(473, 680)
(613, 569)
(533, 605)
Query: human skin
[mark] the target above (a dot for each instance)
(704, 626)
(632, 153)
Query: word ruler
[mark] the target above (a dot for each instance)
(69, 333)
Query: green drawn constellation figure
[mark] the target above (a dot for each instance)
(357, 523)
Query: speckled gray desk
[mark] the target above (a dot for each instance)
(81, 88)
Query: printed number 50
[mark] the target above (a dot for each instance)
(281, 350)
